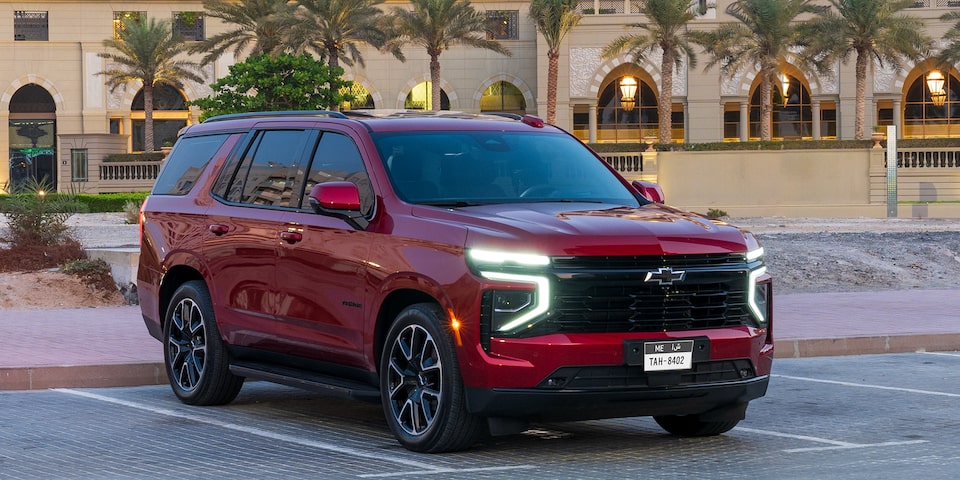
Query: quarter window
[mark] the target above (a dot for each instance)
(186, 163)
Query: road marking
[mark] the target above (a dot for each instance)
(866, 385)
(944, 354)
(834, 444)
(425, 467)
(446, 470)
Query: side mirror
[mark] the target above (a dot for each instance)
(651, 191)
(339, 200)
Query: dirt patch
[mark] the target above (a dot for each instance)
(52, 289)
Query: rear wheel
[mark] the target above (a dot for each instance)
(195, 357)
(694, 426)
(420, 384)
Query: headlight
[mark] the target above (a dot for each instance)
(512, 309)
(757, 294)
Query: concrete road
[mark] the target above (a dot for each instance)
(890, 416)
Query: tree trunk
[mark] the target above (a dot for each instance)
(334, 61)
(147, 117)
(766, 106)
(435, 81)
(553, 68)
(665, 104)
(862, 58)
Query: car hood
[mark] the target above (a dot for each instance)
(554, 228)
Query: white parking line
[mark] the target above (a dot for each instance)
(423, 467)
(944, 354)
(833, 444)
(867, 385)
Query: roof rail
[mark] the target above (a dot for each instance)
(284, 113)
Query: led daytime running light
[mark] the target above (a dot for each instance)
(752, 294)
(754, 254)
(542, 298)
(499, 258)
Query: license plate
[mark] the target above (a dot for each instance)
(665, 356)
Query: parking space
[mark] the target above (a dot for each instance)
(877, 416)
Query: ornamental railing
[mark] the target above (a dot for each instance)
(946, 158)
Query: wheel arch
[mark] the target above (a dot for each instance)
(392, 305)
(172, 279)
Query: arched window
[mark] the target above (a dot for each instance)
(32, 138)
(420, 98)
(792, 113)
(503, 97)
(926, 115)
(620, 119)
(170, 114)
(362, 100)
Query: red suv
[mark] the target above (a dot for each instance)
(471, 273)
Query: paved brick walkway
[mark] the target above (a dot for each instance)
(102, 347)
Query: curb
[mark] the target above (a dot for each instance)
(152, 373)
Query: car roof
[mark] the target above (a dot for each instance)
(378, 120)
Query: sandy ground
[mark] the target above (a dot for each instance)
(804, 255)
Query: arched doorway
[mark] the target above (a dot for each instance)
(627, 110)
(33, 138)
(792, 111)
(361, 98)
(503, 96)
(928, 113)
(420, 97)
(170, 114)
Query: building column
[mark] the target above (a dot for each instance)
(744, 121)
(898, 118)
(592, 123)
(816, 119)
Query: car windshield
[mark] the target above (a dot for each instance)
(463, 168)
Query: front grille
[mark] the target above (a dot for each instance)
(609, 377)
(648, 261)
(625, 303)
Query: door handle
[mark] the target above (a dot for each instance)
(218, 229)
(291, 237)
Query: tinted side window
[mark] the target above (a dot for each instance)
(337, 158)
(268, 171)
(186, 163)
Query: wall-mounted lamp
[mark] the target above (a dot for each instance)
(935, 83)
(628, 92)
(784, 86)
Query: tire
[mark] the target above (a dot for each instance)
(420, 384)
(196, 360)
(693, 426)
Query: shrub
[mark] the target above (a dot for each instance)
(38, 218)
(131, 211)
(95, 273)
(716, 213)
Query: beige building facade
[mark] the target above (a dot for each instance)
(63, 120)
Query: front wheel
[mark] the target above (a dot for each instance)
(420, 384)
(195, 356)
(694, 426)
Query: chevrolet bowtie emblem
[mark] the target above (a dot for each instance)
(665, 276)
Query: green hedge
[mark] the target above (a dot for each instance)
(104, 202)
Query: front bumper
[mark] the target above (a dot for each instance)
(587, 404)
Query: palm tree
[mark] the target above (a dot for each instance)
(950, 55)
(554, 20)
(666, 32)
(868, 29)
(259, 23)
(436, 25)
(146, 51)
(334, 28)
(760, 40)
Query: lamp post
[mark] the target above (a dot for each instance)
(935, 83)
